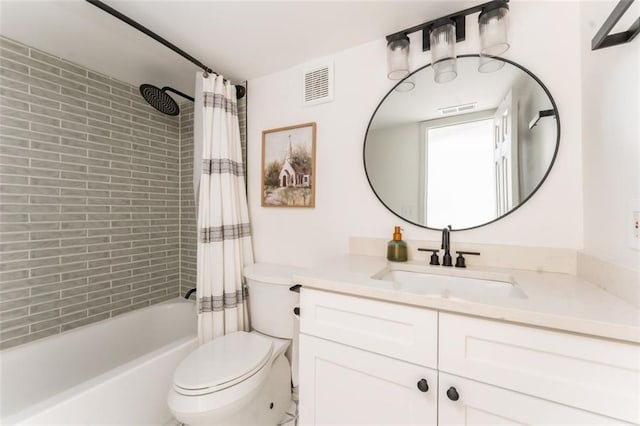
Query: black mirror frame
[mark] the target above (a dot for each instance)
(523, 202)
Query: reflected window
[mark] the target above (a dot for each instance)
(467, 181)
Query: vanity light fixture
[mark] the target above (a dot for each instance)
(440, 36)
(493, 24)
(406, 85)
(398, 57)
(442, 39)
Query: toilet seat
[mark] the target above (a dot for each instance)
(222, 363)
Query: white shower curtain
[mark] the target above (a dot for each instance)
(224, 234)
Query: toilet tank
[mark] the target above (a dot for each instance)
(271, 302)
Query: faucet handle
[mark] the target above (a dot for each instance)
(460, 262)
(434, 255)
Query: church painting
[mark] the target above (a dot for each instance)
(288, 166)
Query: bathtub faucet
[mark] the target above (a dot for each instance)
(187, 295)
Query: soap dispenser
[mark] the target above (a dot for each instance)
(396, 248)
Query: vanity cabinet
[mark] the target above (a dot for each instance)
(343, 385)
(366, 362)
(361, 361)
(584, 372)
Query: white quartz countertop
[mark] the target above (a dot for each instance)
(553, 300)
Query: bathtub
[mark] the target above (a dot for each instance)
(112, 372)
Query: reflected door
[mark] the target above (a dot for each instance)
(505, 156)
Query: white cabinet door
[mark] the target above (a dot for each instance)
(482, 404)
(341, 385)
(579, 371)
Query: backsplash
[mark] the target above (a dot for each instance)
(542, 259)
(90, 197)
(617, 280)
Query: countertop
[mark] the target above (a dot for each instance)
(553, 300)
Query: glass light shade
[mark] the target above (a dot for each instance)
(407, 85)
(443, 52)
(398, 59)
(494, 25)
(489, 64)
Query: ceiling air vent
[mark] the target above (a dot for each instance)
(458, 109)
(317, 85)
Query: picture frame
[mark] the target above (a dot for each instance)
(289, 166)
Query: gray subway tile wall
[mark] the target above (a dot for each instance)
(188, 233)
(91, 194)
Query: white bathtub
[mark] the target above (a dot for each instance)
(113, 372)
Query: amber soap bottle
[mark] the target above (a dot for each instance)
(396, 248)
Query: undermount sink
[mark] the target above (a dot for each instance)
(452, 284)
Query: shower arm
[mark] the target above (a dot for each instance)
(177, 92)
(124, 18)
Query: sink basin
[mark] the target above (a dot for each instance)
(459, 285)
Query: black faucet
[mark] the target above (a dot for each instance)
(189, 292)
(446, 246)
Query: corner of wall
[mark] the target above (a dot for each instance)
(610, 134)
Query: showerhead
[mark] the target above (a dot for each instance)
(159, 99)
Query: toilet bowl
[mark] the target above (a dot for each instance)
(243, 378)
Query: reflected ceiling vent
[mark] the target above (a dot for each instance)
(458, 109)
(317, 84)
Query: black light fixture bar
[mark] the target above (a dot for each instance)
(458, 17)
(111, 11)
(603, 39)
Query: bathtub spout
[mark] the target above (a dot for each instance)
(187, 295)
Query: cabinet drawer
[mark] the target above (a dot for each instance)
(593, 374)
(341, 385)
(398, 331)
(482, 404)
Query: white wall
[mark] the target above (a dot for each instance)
(611, 129)
(393, 159)
(535, 146)
(544, 38)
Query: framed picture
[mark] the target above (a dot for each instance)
(289, 166)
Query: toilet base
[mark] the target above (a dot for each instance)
(264, 408)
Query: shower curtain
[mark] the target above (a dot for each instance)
(224, 234)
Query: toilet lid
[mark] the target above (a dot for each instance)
(223, 362)
(272, 273)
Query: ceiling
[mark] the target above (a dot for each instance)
(239, 39)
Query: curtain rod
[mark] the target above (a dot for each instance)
(111, 11)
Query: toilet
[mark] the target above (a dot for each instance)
(244, 378)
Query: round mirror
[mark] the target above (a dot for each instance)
(463, 153)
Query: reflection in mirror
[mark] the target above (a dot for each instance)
(463, 153)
